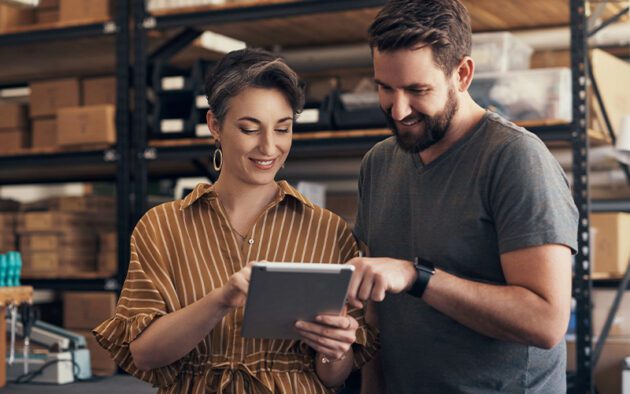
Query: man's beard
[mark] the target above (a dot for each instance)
(435, 127)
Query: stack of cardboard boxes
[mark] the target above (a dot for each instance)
(59, 119)
(47, 12)
(82, 312)
(610, 243)
(7, 232)
(61, 236)
(108, 253)
(13, 127)
(50, 12)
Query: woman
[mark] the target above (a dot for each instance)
(178, 320)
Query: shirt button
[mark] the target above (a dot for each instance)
(251, 241)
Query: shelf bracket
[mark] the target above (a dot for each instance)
(110, 27)
(149, 23)
(110, 156)
(148, 154)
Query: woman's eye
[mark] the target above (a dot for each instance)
(283, 130)
(248, 131)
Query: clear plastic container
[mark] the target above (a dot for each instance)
(527, 95)
(500, 51)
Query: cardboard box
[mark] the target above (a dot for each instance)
(108, 263)
(47, 4)
(44, 133)
(98, 91)
(101, 360)
(13, 116)
(12, 140)
(86, 310)
(81, 10)
(7, 220)
(59, 262)
(49, 96)
(611, 74)
(609, 368)
(49, 221)
(84, 242)
(44, 16)
(602, 299)
(86, 125)
(612, 249)
(108, 242)
(106, 205)
(11, 17)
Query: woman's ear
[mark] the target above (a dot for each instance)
(213, 125)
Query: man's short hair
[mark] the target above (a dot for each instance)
(444, 25)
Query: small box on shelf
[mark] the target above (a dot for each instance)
(86, 125)
(44, 132)
(86, 310)
(611, 249)
(84, 11)
(49, 96)
(101, 90)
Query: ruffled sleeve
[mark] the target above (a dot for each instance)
(146, 292)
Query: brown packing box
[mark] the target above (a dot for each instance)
(87, 310)
(86, 125)
(58, 241)
(47, 4)
(602, 299)
(44, 133)
(108, 263)
(108, 242)
(609, 368)
(99, 91)
(57, 263)
(7, 220)
(101, 360)
(105, 205)
(11, 17)
(13, 116)
(49, 96)
(13, 140)
(612, 74)
(49, 221)
(612, 249)
(81, 10)
(44, 16)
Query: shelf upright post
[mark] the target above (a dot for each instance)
(139, 137)
(582, 284)
(122, 137)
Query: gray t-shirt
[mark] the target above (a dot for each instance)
(496, 190)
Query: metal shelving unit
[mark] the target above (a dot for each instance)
(83, 166)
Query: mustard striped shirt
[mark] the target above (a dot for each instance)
(182, 250)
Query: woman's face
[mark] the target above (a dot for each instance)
(256, 135)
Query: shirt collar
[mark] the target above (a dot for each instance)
(207, 190)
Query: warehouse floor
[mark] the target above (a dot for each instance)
(115, 384)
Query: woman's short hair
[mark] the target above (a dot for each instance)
(246, 68)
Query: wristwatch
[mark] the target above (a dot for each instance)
(425, 270)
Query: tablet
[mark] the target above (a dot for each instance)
(282, 293)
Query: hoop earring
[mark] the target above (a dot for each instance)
(217, 159)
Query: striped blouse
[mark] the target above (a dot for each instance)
(182, 250)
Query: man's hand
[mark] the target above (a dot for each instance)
(373, 277)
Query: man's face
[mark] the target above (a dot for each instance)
(418, 99)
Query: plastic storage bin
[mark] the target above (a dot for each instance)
(527, 95)
(500, 51)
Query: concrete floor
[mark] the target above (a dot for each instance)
(118, 384)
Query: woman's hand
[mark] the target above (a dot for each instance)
(234, 292)
(331, 336)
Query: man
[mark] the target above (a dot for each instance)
(477, 197)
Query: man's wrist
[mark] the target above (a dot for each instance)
(424, 272)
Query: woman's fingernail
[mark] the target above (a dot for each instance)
(299, 324)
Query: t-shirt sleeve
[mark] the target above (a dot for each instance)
(530, 199)
(142, 301)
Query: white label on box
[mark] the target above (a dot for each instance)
(202, 130)
(309, 116)
(173, 83)
(201, 102)
(172, 126)
(15, 92)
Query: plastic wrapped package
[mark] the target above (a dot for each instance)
(527, 95)
(500, 51)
